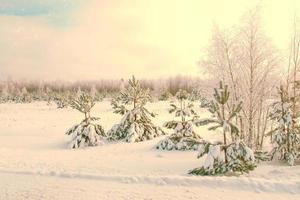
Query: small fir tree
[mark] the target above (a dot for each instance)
(21, 96)
(62, 100)
(4, 95)
(48, 95)
(184, 136)
(87, 133)
(95, 94)
(164, 94)
(136, 124)
(285, 137)
(25, 97)
(195, 95)
(224, 157)
(79, 91)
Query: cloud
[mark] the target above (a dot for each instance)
(96, 39)
(36, 7)
(105, 41)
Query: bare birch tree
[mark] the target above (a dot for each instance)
(257, 60)
(294, 64)
(245, 60)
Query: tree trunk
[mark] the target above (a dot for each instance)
(264, 129)
(224, 134)
(251, 103)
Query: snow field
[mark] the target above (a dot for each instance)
(37, 164)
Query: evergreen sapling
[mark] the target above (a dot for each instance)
(285, 137)
(195, 95)
(224, 157)
(184, 136)
(164, 95)
(62, 100)
(136, 125)
(95, 94)
(87, 133)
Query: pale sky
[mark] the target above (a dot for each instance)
(95, 39)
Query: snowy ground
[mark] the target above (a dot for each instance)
(35, 163)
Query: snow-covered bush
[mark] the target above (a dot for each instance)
(261, 155)
(136, 125)
(164, 95)
(19, 96)
(227, 156)
(204, 102)
(195, 95)
(4, 95)
(237, 158)
(24, 96)
(62, 100)
(95, 94)
(86, 133)
(286, 139)
(184, 137)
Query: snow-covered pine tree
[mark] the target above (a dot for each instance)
(48, 95)
(95, 94)
(184, 136)
(86, 133)
(78, 92)
(224, 157)
(164, 95)
(21, 96)
(136, 125)
(204, 102)
(285, 137)
(4, 95)
(62, 100)
(25, 97)
(14, 93)
(195, 95)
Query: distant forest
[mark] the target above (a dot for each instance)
(106, 87)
